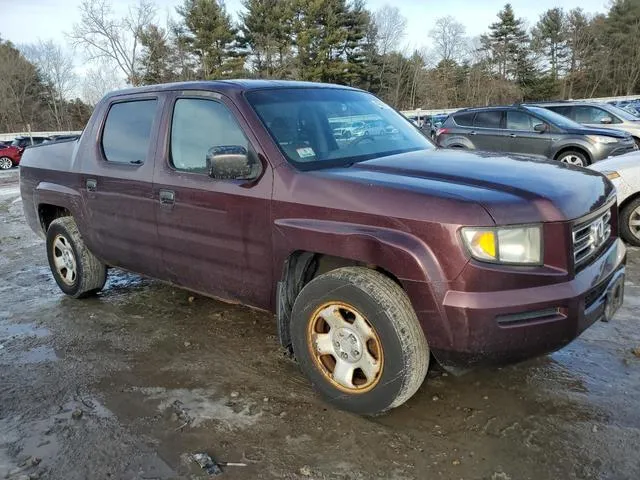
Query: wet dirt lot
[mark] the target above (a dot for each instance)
(126, 385)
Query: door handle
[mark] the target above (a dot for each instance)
(513, 135)
(167, 197)
(92, 185)
(472, 132)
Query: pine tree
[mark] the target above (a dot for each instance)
(505, 42)
(155, 58)
(267, 29)
(550, 39)
(211, 38)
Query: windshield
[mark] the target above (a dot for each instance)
(555, 118)
(325, 127)
(622, 113)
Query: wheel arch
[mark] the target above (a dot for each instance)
(573, 148)
(398, 255)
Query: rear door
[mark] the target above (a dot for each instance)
(488, 132)
(117, 185)
(522, 138)
(215, 235)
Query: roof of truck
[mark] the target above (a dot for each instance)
(228, 85)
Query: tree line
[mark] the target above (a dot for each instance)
(564, 54)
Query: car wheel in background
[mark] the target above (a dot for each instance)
(630, 223)
(76, 270)
(357, 338)
(5, 163)
(637, 140)
(574, 158)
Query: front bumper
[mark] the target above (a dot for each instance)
(512, 325)
(602, 151)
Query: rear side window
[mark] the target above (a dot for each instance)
(464, 119)
(199, 125)
(565, 110)
(490, 119)
(127, 131)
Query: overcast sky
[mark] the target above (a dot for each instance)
(25, 21)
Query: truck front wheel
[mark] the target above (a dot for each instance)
(357, 337)
(76, 270)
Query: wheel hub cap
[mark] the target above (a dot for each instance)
(347, 344)
(345, 348)
(64, 260)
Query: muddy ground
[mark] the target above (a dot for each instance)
(128, 384)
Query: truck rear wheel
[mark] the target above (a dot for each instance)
(357, 338)
(76, 270)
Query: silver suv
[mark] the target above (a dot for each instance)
(600, 115)
(531, 130)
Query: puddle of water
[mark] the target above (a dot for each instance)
(32, 356)
(13, 330)
(201, 406)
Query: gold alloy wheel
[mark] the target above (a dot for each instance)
(345, 347)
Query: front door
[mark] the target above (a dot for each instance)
(215, 235)
(522, 136)
(116, 184)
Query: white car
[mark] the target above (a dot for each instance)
(624, 173)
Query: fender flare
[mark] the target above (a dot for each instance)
(398, 252)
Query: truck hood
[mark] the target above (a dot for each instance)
(513, 189)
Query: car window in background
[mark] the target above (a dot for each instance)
(199, 125)
(564, 110)
(127, 131)
(489, 119)
(517, 120)
(624, 114)
(554, 118)
(464, 119)
(322, 127)
(589, 114)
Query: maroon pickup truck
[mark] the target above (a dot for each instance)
(375, 250)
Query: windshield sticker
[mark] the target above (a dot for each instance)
(305, 152)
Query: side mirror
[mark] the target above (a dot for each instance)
(606, 120)
(541, 127)
(232, 162)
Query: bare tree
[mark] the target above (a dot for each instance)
(449, 39)
(105, 37)
(57, 71)
(100, 81)
(391, 28)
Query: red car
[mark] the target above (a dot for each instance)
(10, 155)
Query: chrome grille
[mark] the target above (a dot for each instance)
(589, 237)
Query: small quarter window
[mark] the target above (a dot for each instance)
(127, 131)
(464, 119)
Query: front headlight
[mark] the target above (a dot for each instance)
(602, 139)
(509, 245)
(610, 174)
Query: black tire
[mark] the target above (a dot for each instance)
(637, 140)
(574, 153)
(626, 215)
(404, 354)
(88, 274)
(6, 163)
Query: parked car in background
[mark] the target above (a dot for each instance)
(61, 138)
(601, 115)
(624, 172)
(10, 155)
(532, 130)
(375, 254)
(435, 122)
